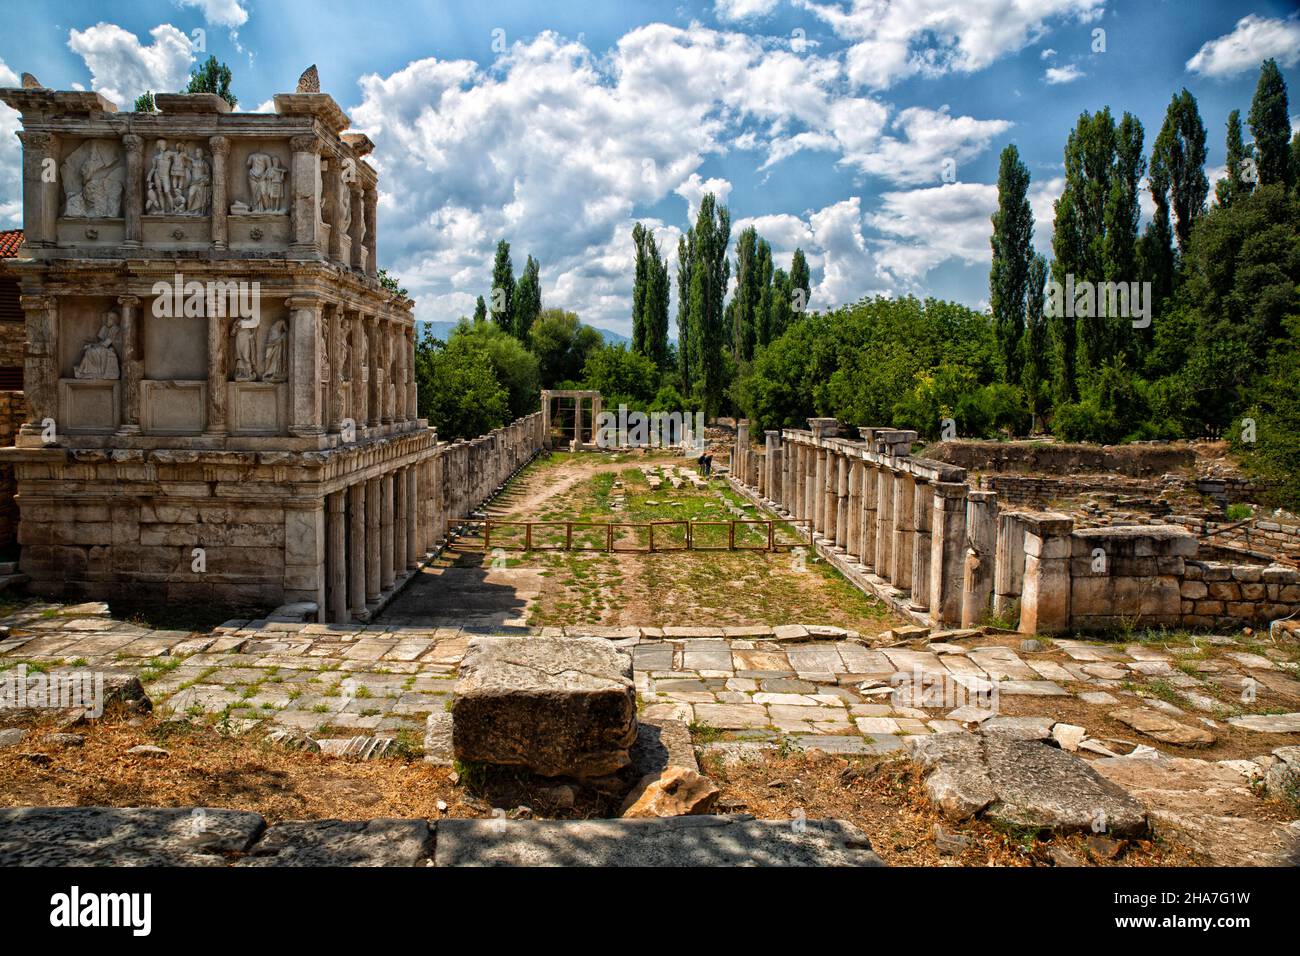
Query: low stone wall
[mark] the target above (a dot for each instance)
(1260, 535)
(1137, 460)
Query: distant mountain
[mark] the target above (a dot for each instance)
(441, 330)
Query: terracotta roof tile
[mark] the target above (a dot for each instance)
(10, 240)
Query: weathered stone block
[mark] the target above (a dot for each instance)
(559, 706)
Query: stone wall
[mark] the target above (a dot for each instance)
(913, 532)
(13, 412)
(1136, 460)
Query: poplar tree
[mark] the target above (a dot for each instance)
(1036, 374)
(503, 288)
(1013, 233)
(527, 300)
(800, 284)
(1180, 149)
(1235, 185)
(1270, 125)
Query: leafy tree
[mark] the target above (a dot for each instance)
(710, 271)
(1180, 151)
(503, 288)
(390, 283)
(527, 300)
(1270, 125)
(780, 310)
(213, 77)
(1274, 456)
(1012, 242)
(685, 266)
(1036, 374)
(1234, 184)
(144, 103)
(800, 283)
(480, 310)
(458, 390)
(650, 293)
(622, 377)
(744, 303)
(516, 369)
(562, 345)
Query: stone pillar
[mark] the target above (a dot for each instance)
(306, 190)
(333, 187)
(546, 419)
(1009, 562)
(922, 518)
(408, 359)
(773, 462)
(358, 225)
(817, 489)
(336, 553)
(841, 500)
(870, 497)
(830, 499)
(388, 394)
(400, 520)
(947, 552)
(220, 147)
(386, 574)
(413, 523)
(40, 362)
(786, 498)
(1045, 599)
(904, 530)
(132, 200)
(304, 366)
(853, 510)
(740, 466)
(132, 365)
(306, 554)
(337, 329)
(981, 546)
(577, 420)
(219, 373)
(373, 364)
(885, 522)
(374, 564)
(357, 389)
(371, 206)
(40, 189)
(357, 548)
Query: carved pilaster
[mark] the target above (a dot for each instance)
(306, 192)
(337, 329)
(133, 203)
(375, 363)
(359, 230)
(40, 371)
(220, 146)
(372, 208)
(304, 366)
(218, 372)
(132, 365)
(40, 189)
(358, 389)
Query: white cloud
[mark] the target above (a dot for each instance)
(557, 150)
(1047, 54)
(921, 228)
(735, 10)
(1056, 75)
(221, 13)
(11, 157)
(893, 39)
(1251, 41)
(121, 68)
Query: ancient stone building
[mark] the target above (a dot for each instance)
(221, 400)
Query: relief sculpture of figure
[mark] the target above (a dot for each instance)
(273, 365)
(245, 367)
(180, 168)
(199, 193)
(266, 183)
(93, 180)
(158, 184)
(345, 358)
(99, 358)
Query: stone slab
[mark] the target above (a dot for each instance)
(343, 843)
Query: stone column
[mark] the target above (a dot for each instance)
(1008, 562)
(40, 189)
(412, 391)
(337, 553)
(577, 420)
(374, 566)
(817, 488)
(773, 462)
(885, 522)
(922, 517)
(904, 530)
(306, 190)
(132, 365)
(981, 547)
(740, 466)
(546, 419)
(357, 548)
(947, 552)
(400, 518)
(337, 329)
(842, 501)
(357, 388)
(219, 374)
(220, 147)
(413, 524)
(333, 187)
(386, 393)
(358, 225)
(830, 496)
(1045, 599)
(41, 361)
(373, 364)
(372, 206)
(386, 576)
(853, 510)
(784, 497)
(870, 496)
(132, 200)
(304, 366)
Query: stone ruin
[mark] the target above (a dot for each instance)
(223, 407)
(914, 532)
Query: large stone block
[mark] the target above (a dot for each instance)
(558, 706)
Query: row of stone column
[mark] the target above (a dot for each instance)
(915, 525)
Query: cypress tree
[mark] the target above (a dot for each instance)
(1013, 232)
(685, 266)
(744, 303)
(640, 290)
(528, 300)
(503, 288)
(1235, 185)
(1180, 149)
(800, 284)
(1036, 373)
(480, 310)
(1270, 125)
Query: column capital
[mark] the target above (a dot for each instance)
(306, 144)
(128, 301)
(36, 141)
(302, 301)
(220, 145)
(132, 143)
(31, 303)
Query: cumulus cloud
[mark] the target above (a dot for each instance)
(735, 10)
(1056, 75)
(220, 13)
(1252, 40)
(921, 228)
(557, 150)
(121, 67)
(893, 39)
(11, 187)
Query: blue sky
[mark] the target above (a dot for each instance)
(866, 132)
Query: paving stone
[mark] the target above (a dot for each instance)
(1031, 688)
(1097, 697)
(1269, 723)
(1029, 728)
(815, 658)
(669, 841)
(1160, 727)
(877, 725)
(731, 716)
(343, 843)
(109, 836)
(707, 655)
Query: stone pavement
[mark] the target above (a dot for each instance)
(739, 687)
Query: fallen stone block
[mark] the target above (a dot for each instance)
(667, 841)
(1165, 729)
(675, 792)
(560, 707)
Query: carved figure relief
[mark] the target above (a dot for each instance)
(245, 361)
(265, 184)
(93, 178)
(99, 357)
(178, 183)
(345, 358)
(273, 355)
(345, 210)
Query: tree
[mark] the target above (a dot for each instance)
(1036, 374)
(650, 292)
(1270, 125)
(800, 283)
(503, 288)
(458, 390)
(641, 290)
(685, 266)
(527, 300)
(763, 307)
(561, 344)
(781, 311)
(1180, 151)
(144, 103)
(480, 310)
(1012, 242)
(1235, 184)
(709, 274)
(622, 377)
(516, 369)
(1104, 335)
(744, 304)
(1295, 159)
(390, 282)
(213, 77)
